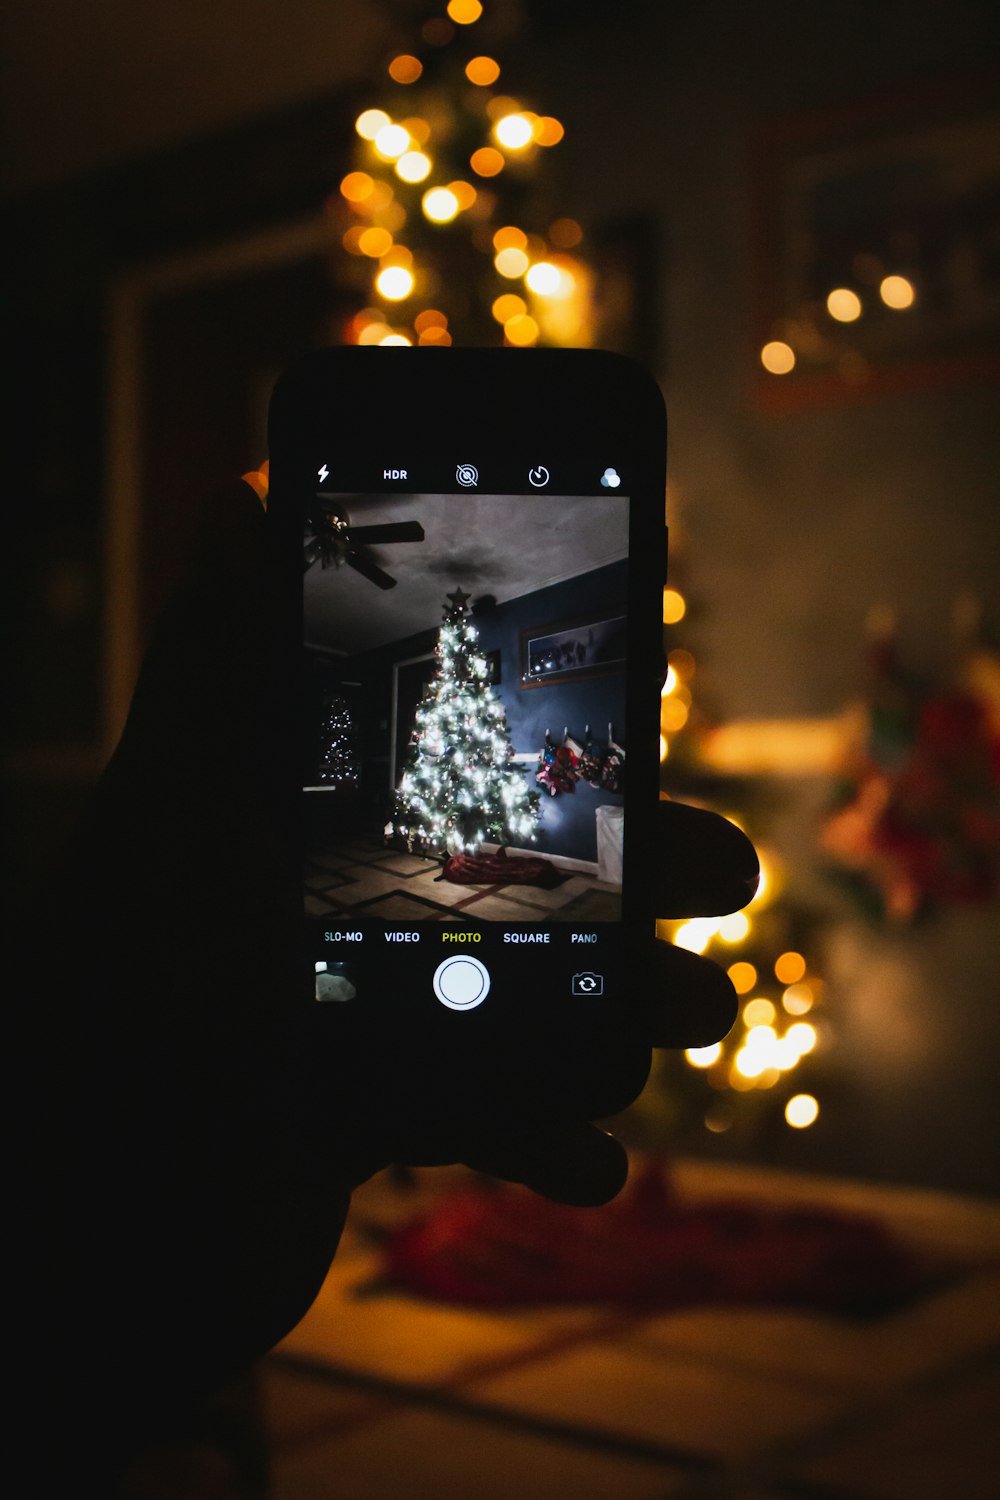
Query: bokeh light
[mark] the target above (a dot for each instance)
(413, 166)
(674, 607)
(405, 68)
(395, 283)
(392, 141)
(511, 262)
(508, 306)
(548, 131)
(440, 205)
(370, 122)
(734, 927)
(704, 1057)
(357, 186)
(482, 71)
(758, 1012)
(897, 292)
(777, 358)
(521, 330)
(789, 968)
(464, 12)
(375, 242)
(514, 131)
(743, 977)
(546, 280)
(486, 162)
(843, 305)
(798, 999)
(801, 1110)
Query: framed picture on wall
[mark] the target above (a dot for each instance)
(875, 247)
(572, 651)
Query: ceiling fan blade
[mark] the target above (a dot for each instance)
(369, 570)
(389, 531)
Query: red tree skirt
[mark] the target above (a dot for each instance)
(505, 1247)
(497, 869)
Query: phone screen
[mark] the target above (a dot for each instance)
(464, 770)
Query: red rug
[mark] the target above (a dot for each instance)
(497, 869)
(499, 1247)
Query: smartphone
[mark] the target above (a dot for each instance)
(476, 553)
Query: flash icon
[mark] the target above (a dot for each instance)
(323, 472)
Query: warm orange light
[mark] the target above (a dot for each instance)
(395, 283)
(704, 1057)
(777, 358)
(565, 233)
(734, 927)
(521, 330)
(464, 12)
(759, 1012)
(440, 205)
(419, 129)
(399, 255)
(801, 1110)
(897, 292)
(482, 70)
(500, 105)
(509, 306)
(511, 262)
(844, 305)
(510, 238)
(393, 218)
(413, 166)
(802, 1036)
(682, 662)
(438, 336)
(798, 999)
(430, 318)
(789, 968)
(375, 242)
(743, 977)
(673, 715)
(370, 122)
(352, 239)
(357, 186)
(374, 333)
(674, 607)
(486, 162)
(396, 338)
(381, 196)
(547, 280)
(548, 131)
(405, 68)
(464, 192)
(392, 141)
(514, 131)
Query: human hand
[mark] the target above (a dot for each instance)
(238, 1130)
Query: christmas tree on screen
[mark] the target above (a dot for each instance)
(338, 762)
(459, 788)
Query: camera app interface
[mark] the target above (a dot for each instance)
(466, 734)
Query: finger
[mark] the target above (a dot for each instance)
(691, 1002)
(571, 1162)
(709, 867)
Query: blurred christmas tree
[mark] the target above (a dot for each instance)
(459, 786)
(441, 216)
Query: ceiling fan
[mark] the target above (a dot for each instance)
(330, 537)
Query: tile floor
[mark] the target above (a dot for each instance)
(378, 1395)
(364, 878)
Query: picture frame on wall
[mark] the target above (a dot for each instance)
(572, 651)
(875, 247)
